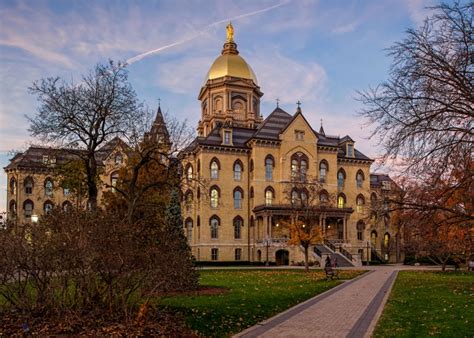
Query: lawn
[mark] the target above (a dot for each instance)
(253, 296)
(425, 304)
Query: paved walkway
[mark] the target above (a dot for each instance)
(348, 310)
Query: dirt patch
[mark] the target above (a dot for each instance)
(158, 323)
(203, 290)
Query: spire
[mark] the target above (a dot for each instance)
(298, 110)
(158, 130)
(321, 130)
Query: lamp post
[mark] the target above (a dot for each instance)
(367, 258)
(267, 241)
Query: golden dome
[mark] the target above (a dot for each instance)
(231, 65)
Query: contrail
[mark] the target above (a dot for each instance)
(202, 31)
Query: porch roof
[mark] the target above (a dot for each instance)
(288, 209)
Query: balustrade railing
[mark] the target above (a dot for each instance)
(347, 254)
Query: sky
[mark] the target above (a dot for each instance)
(318, 52)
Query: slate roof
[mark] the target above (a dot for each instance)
(274, 124)
(377, 179)
(32, 158)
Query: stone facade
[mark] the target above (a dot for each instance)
(239, 168)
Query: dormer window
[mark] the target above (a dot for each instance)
(299, 135)
(350, 150)
(45, 159)
(227, 137)
(118, 159)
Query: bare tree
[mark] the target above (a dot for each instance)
(83, 116)
(423, 114)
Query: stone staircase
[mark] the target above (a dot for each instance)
(322, 251)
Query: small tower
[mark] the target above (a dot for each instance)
(158, 132)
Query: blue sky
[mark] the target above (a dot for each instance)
(318, 52)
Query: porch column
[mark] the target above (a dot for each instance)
(324, 226)
(345, 229)
(265, 226)
(270, 225)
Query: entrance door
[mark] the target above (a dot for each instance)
(282, 257)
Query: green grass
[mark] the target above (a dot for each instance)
(425, 304)
(254, 296)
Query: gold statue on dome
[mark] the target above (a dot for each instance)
(230, 32)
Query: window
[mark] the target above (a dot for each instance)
(67, 206)
(227, 137)
(359, 179)
(238, 198)
(350, 150)
(251, 194)
(214, 254)
(238, 254)
(66, 191)
(214, 197)
(45, 159)
(373, 238)
(269, 164)
(323, 196)
(341, 201)
(47, 207)
(386, 240)
(189, 172)
(188, 198)
(28, 185)
(189, 229)
(251, 165)
(341, 176)
(294, 197)
(323, 168)
(214, 169)
(28, 207)
(48, 187)
(237, 170)
(299, 166)
(12, 186)
(304, 197)
(12, 208)
(252, 221)
(360, 201)
(118, 159)
(373, 200)
(269, 195)
(238, 222)
(214, 223)
(113, 181)
(299, 135)
(360, 230)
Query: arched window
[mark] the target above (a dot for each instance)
(47, 207)
(238, 223)
(118, 159)
(269, 165)
(269, 196)
(67, 206)
(28, 185)
(360, 230)
(341, 177)
(360, 201)
(189, 172)
(198, 221)
(251, 194)
(299, 166)
(323, 197)
(215, 169)
(28, 207)
(12, 208)
(198, 193)
(373, 200)
(238, 170)
(198, 166)
(386, 240)
(341, 201)
(373, 238)
(48, 187)
(12, 186)
(259, 255)
(189, 229)
(238, 195)
(214, 194)
(214, 223)
(252, 221)
(294, 197)
(359, 178)
(238, 254)
(251, 165)
(323, 170)
(304, 197)
(188, 198)
(114, 180)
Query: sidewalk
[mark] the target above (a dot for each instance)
(348, 310)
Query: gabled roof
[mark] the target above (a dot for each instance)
(274, 124)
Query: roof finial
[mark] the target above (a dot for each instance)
(159, 102)
(321, 130)
(230, 32)
(278, 102)
(298, 110)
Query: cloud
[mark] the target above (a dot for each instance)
(418, 10)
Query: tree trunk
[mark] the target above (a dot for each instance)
(306, 266)
(91, 169)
